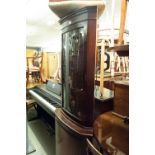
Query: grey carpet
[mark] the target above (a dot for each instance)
(42, 137)
(30, 147)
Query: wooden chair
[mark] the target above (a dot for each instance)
(33, 69)
(30, 103)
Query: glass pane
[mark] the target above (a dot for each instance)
(73, 71)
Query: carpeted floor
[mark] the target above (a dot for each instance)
(30, 147)
(40, 137)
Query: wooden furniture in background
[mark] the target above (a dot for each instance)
(102, 45)
(122, 22)
(33, 69)
(51, 66)
(121, 99)
(30, 103)
(122, 50)
(112, 132)
(112, 128)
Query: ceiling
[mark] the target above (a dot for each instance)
(42, 27)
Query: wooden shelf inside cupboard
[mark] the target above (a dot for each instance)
(122, 50)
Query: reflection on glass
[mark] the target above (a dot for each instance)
(74, 71)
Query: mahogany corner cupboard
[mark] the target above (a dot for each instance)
(78, 64)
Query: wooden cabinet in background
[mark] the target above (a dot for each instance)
(121, 99)
(51, 65)
(53, 62)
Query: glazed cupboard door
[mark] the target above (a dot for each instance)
(74, 72)
(78, 59)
